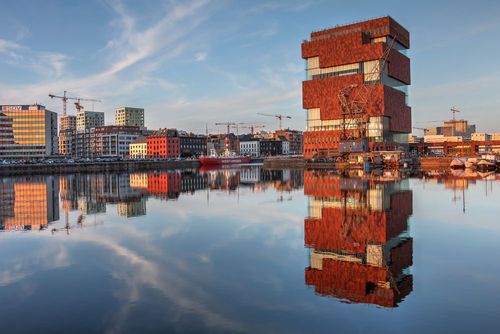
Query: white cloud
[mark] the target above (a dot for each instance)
(133, 57)
(44, 63)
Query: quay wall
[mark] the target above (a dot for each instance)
(118, 166)
(435, 163)
(271, 163)
(426, 163)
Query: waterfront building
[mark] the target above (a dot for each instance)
(89, 119)
(138, 149)
(85, 144)
(285, 146)
(414, 139)
(442, 139)
(295, 139)
(114, 141)
(67, 122)
(27, 131)
(192, 145)
(250, 147)
(129, 116)
(450, 128)
(164, 143)
(67, 135)
(271, 147)
(356, 86)
(480, 136)
(85, 138)
(357, 233)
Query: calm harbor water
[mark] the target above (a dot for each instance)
(249, 250)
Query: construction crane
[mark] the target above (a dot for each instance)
(425, 122)
(65, 99)
(228, 125)
(354, 99)
(251, 126)
(277, 116)
(454, 110)
(423, 129)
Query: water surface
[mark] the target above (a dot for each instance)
(249, 250)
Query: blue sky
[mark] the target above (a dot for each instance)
(194, 62)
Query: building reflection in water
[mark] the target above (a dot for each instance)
(360, 250)
(33, 203)
(28, 202)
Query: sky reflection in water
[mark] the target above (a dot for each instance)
(248, 250)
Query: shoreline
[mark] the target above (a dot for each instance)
(89, 167)
(424, 164)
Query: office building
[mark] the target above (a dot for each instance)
(356, 87)
(128, 116)
(27, 131)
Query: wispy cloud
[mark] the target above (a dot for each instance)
(44, 63)
(292, 6)
(133, 56)
(138, 63)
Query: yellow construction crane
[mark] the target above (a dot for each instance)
(65, 99)
(277, 116)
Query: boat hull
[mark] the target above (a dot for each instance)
(484, 165)
(216, 161)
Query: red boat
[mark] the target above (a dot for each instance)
(226, 158)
